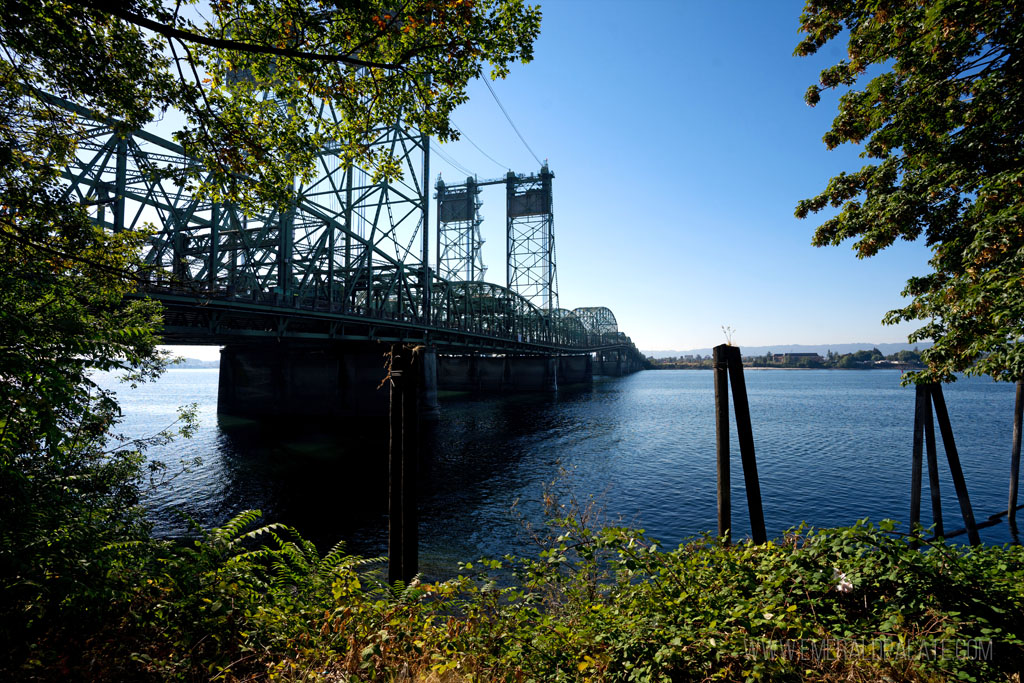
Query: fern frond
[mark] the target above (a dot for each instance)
(282, 575)
(365, 561)
(191, 523)
(249, 555)
(121, 545)
(411, 591)
(256, 533)
(297, 555)
(334, 557)
(309, 550)
(226, 533)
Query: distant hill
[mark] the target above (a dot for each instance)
(196, 364)
(821, 349)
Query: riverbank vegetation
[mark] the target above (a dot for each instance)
(857, 603)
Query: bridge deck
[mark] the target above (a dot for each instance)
(201, 320)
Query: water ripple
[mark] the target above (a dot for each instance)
(832, 447)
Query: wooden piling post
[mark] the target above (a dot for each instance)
(745, 433)
(727, 359)
(942, 415)
(395, 456)
(1018, 413)
(921, 399)
(403, 457)
(933, 468)
(722, 441)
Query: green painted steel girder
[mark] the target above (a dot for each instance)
(348, 259)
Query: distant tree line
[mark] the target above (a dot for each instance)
(862, 359)
(680, 362)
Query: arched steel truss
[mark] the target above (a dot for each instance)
(348, 250)
(597, 320)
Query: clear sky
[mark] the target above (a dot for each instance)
(680, 144)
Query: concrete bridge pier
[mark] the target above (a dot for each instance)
(609, 363)
(511, 373)
(430, 409)
(528, 373)
(295, 380)
(456, 373)
(492, 373)
(575, 369)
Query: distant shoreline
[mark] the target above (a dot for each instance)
(843, 348)
(195, 364)
(695, 366)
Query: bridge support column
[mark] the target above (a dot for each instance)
(510, 373)
(491, 373)
(575, 369)
(610, 363)
(430, 409)
(532, 373)
(282, 380)
(456, 373)
(552, 374)
(472, 373)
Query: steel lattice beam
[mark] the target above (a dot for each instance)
(348, 260)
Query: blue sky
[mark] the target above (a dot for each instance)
(681, 144)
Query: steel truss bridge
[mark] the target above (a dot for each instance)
(350, 260)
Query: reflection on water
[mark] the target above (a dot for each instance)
(832, 447)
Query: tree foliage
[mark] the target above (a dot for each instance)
(63, 316)
(943, 128)
(251, 80)
(246, 81)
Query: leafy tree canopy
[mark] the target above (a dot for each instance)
(248, 81)
(252, 79)
(943, 128)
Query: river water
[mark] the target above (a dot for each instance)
(832, 447)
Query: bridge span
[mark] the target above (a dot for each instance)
(306, 299)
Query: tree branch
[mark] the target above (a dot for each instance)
(189, 36)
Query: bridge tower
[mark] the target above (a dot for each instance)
(458, 232)
(530, 230)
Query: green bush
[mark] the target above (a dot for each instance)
(855, 603)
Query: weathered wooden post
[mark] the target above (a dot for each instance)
(1018, 413)
(954, 463)
(921, 399)
(727, 358)
(403, 457)
(933, 467)
(722, 443)
(928, 395)
(924, 437)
